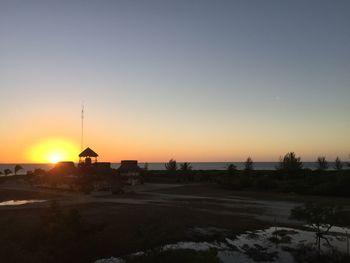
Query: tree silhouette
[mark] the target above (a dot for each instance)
(322, 163)
(7, 172)
(186, 171)
(248, 166)
(290, 163)
(18, 168)
(321, 217)
(231, 169)
(171, 166)
(338, 164)
(185, 166)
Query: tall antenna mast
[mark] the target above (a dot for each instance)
(82, 128)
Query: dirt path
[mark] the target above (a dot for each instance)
(265, 210)
(220, 202)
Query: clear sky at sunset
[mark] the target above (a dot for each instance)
(191, 80)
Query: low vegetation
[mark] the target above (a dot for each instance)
(308, 254)
(289, 177)
(59, 236)
(321, 217)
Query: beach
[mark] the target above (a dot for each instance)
(164, 213)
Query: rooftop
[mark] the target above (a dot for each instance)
(88, 153)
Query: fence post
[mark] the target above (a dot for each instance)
(275, 232)
(347, 241)
(275, 223)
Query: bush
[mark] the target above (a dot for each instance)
(322, 163)
(265, 183)
(171, 166)
(59, 236)
(290, 163)
(307, 253)
(322, 217)
(246, 181)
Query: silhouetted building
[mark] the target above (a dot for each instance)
(87, 154)
(130, 171)
(64, 168)
(102, 166)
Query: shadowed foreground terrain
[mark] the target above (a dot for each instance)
(84, 228)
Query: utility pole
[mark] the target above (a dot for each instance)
(82, 128)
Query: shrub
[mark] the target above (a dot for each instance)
(290, 163)
(231, 169)
(248, 166)
(322, 163)
(322, 217)
(266, 183)
(338, 165)
(171, 165)
(245, 181)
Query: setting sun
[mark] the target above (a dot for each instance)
(54, 158)
(53, 150)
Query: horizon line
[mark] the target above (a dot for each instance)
(307, 161)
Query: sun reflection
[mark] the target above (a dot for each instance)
(53, 150)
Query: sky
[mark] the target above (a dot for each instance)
(191, 80)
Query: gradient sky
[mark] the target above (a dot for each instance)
(190, 80)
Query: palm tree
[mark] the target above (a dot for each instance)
(185, 166)
(7, 172)
(171, 166)
(17, 168)
(186, 169)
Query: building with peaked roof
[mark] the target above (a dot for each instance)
(87, 154)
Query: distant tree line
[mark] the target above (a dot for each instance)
(290, 163)
(289, 176)
(8, 171)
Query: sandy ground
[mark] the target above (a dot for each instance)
(272, 208)
(163, 213)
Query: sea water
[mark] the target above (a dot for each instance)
(161, 166)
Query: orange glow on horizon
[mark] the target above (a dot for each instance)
(55, 158)
(53, 150)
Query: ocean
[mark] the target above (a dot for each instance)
(161, 166)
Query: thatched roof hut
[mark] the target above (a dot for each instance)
(88, 153)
